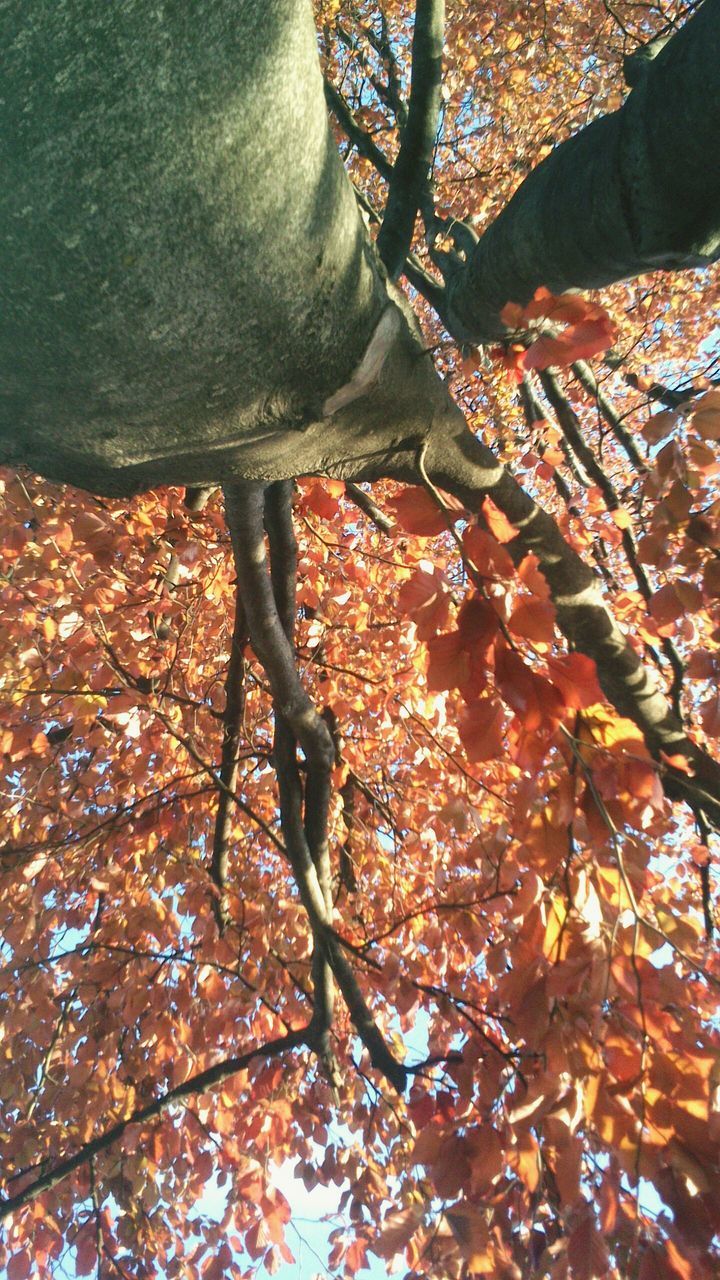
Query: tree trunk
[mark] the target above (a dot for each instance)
(189, 283)
(187, 278)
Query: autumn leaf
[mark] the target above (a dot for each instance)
(481, 728)
(418, 513)
(589, 329)
(706, 416)
(587, 1253)
(576, 678)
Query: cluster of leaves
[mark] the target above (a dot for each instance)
(525, 913)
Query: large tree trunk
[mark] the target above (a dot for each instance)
(187, 278)
(191, 294)
(186, 275)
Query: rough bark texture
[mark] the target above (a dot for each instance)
(187, 277)
(186, 274)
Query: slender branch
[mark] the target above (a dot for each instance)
(199, 1083)
(667, 396)
(355, 132)
(415, 157)
(242, 805)
(369, 508)
(587, 379)
(244, 505)
(229, 758)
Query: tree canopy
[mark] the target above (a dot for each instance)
(368, 828)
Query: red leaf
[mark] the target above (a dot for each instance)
(449, 662)
(322, 497)
(477, 623)
(587, 1254)
(534, 620)
(535, 701)
(589, 329)
(577, 342)
(20, 1266)
(576, 678)
(485, 553)
(424, 599)
(481, 729)
(417, 513)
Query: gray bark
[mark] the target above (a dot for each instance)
(635, 191)
(185, 276)
(187, 282)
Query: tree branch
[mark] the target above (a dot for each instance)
(244, 504)
(229, 758)
(199, 1083)
(355, 132)
(460, 463)
(369, 508)
(630, 193)
(414, 161)
(311, 808)
(572, 430)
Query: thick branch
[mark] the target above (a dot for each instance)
(633, 192)
(572, 430)
(411, 169)
(466, 468)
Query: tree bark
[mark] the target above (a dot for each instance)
(190, 284)
(633, 192)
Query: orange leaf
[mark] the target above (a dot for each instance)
(534, 620)
(470, 1229)
(706, 418)
(497, 522)
(576, 678)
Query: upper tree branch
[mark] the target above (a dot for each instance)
(631, 193)
(460, 463)
(572, 430)
(410, 172)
